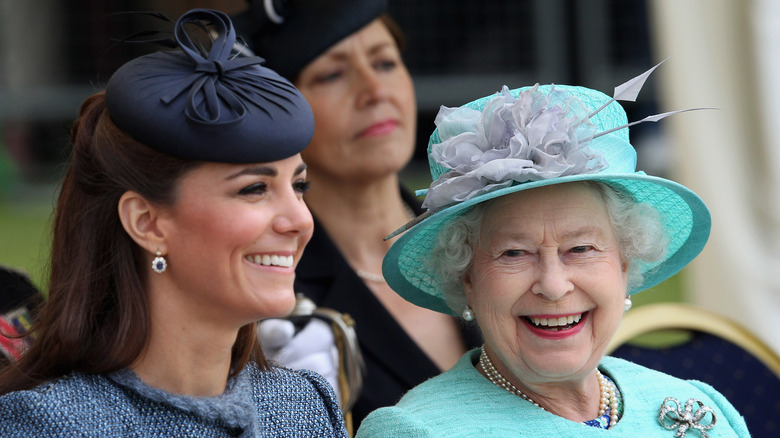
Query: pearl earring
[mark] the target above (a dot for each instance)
(468, 314)
(159, 264)
(627, 304)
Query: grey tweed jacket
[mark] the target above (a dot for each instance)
(274, 403)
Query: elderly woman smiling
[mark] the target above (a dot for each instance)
(540, 229)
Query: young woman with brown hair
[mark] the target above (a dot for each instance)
(179, 224)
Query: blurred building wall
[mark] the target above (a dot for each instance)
(724, 54)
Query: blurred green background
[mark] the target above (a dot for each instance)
(25, 211)
(24, 236)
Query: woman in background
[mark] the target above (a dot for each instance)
(345, 57)
(179, 224)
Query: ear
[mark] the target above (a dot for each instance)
(139, 219)
(467, 285)
(624, 266)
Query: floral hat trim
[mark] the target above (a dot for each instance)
(530, 137)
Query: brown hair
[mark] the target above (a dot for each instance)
(395, 31)
(96, 318)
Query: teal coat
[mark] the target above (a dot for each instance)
(463, 403)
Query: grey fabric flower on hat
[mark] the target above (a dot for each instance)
(532, 137)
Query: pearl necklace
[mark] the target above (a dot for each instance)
(607, 389)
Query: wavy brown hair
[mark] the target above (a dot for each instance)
(96, 318)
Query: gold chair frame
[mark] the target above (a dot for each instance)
(679, 316)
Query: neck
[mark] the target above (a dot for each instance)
(576, 401)
(184, 354)
(358, 216)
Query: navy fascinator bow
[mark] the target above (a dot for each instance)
(214, 104)
(222, 76)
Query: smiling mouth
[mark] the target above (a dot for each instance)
(555, 324)
(271, 260)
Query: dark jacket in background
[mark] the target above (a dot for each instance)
(394, 362)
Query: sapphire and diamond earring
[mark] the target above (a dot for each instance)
(159, 264)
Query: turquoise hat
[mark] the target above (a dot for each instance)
(532, 137)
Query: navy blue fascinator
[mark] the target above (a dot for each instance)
(209, 104)
(290, 34)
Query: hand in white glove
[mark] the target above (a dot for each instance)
(313, 348)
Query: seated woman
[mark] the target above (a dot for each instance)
(541, 230)
(179, 224)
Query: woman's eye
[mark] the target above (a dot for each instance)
(302, 186)
(581, 249)
(385, 65)
(254, 189)
(327, 78)
(514, 252)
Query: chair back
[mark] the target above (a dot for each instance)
(692, 343)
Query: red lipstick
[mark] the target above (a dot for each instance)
(555, 334)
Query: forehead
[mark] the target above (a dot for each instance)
(562, 208)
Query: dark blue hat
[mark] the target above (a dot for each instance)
(290, 34)
(214, 106)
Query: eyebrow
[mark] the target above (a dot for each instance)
(255, 170)
(586, 230)
(341, 55)
(264, 171)
(573, 234)
(378, 47)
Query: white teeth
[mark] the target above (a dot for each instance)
(555, 322)
(271, 260)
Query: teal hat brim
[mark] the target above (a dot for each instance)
(684, 215)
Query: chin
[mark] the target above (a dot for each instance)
(280, 307)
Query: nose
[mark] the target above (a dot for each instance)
(293, 217)
(552, 277)
(370, 86)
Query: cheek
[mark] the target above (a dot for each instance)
(329, 131)
(610, 309)
(493, 288)
(407, 100)
(325, 118)
(205, 218)
(229, 228)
